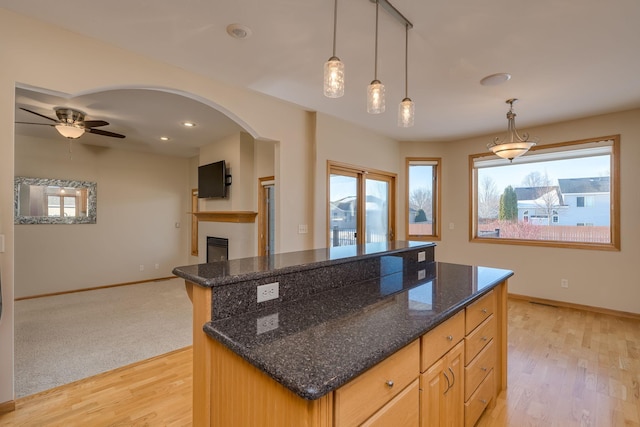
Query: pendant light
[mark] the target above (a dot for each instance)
(406, 109)
(334, 68)
(375, 91)
(513, 145)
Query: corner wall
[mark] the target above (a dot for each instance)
(596, 278)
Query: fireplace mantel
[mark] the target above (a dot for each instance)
(226, 216)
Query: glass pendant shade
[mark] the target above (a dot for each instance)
(406, 113)
(511, 150)
(70, 131)
(375, 97)
(515, 145)
(333, 78)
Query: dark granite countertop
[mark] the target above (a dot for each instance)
(315, 345)
(232, 271)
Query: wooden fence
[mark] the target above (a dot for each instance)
(558, 233)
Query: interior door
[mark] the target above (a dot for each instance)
(266, 216)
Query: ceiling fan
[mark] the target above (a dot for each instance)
(71, 123)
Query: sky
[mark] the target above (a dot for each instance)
(514, 174)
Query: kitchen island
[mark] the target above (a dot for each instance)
(353, 335)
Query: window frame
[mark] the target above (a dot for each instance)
(436, 229)
(614, 217)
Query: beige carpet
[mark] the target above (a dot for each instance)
(64, 338)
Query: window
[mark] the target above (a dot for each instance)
(562, 195)
(423, 198)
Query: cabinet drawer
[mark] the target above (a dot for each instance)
(441, 339)
(363, 396)
(477, 312)
(479, 338)
(478, 369)
(402, 411)
(478, 401)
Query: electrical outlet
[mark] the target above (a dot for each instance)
(267, 323)
(564, 283)
(422, 274)
(268, 292)
(422, 256)
(157, 266)
(303, 229)
(451, 226)
(141, 267)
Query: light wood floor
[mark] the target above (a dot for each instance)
(155, 392)
(566, 368)
(569, 367)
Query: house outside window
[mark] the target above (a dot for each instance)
(555, 195)
(423, 198)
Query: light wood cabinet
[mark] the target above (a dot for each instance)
(360, 398)
(480, 357)
(429, 385)
(442, 388)
(441, 339)
(401, 411)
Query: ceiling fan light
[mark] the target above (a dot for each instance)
(69, 131)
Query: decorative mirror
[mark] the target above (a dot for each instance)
(54, 201)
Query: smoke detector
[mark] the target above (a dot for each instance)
(239, 31)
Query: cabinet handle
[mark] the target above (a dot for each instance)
(450, 337)
(483, 401)
(484, 339)
(389, 383)
(484, 311)
(448, 382)
(453, 376)
(483, 369)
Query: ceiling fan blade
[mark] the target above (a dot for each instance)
(38, 114)
(94, 123)
(104, 133)
(29, 123)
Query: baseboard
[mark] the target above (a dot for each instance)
(95, 288)
(635, 316)
(7, 407)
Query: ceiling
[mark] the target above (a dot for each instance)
(143, 116)
(568, 59)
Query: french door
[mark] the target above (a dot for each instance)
(361, 207)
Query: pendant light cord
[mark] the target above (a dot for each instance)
(375, 65)
(406, 60)
(335, 24)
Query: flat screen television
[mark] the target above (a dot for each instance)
(213, 180)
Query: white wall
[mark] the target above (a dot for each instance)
(140, 200)
(339, 141)
(596, 278)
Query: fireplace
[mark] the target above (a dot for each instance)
(217, 249)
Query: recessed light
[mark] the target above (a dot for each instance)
(164, 138)
(495, 79)
(239, 31)
(188, 124)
